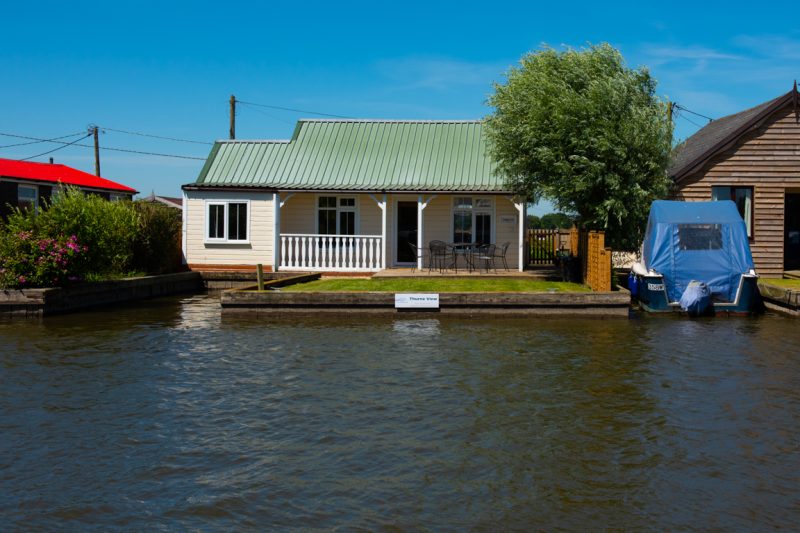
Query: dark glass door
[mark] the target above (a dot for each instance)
(791, 217)
(406, 231)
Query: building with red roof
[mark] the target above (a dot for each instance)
(25, 184)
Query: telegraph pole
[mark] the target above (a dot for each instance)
(94, 130)
(233, 117)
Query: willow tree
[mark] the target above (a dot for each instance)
(580, 128)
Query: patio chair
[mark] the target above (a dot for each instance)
(486, 254)
(500, 253)
(418, 254)
(441, 256)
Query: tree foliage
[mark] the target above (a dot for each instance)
(582, 129)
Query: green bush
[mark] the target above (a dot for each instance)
(79, 236)
(108, 228)
(30, 261)
(157, 247)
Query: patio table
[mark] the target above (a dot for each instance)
(465, 250)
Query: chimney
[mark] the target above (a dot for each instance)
(51, 160)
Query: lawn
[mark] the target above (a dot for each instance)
(783, 283)
(436, 285)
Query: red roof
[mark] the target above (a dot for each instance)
(55, 173)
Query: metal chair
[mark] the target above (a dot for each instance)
(440, 255)
(487, 255)
(418, 254)
(500, 253)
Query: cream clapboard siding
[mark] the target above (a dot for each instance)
(767, 159)
(259, 250)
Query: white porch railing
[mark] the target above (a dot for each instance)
(331, 253)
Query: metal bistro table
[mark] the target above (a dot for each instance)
(465, 250)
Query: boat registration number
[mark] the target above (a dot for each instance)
(655, 286)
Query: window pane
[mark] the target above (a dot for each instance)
(26, 197)
(347, 223)
(347, 202)
(744, 201)
(700, 236)
(216, 221)
(462, 203)
(327, 201)
(721, 193)
(483, 203)
(327, 221)
(483, 228)
(237, 222)
(462, 227)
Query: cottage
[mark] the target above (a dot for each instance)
(26, 184)
(752, 158)
(348, 196)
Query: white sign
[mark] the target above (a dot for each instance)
(416, 301)
(655, 286)
(508, 219)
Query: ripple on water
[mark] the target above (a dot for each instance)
(167, 416)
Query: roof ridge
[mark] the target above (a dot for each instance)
(394, 120)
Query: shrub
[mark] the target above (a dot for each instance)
(157, 247)
(108, 228)
(28, 260)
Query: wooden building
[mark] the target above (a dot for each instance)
(753, 158)
(26, 184)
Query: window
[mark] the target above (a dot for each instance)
(472, 220)
(700, 236)
(742, 197)
(227, 221)
(26, 197)
(336, 215)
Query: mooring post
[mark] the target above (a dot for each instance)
(260, 276)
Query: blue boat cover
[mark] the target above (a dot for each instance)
(702, 241)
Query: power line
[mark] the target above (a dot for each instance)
(140, 134)
(678, 106)
(37, 142)
(292, 109)
(104, 147)
(54, 149)
(687, 119)
(270, 116)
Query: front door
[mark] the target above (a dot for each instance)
(406, 232)
(791, 217)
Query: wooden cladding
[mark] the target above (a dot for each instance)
(768, 160)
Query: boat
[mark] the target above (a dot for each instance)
(695, 259)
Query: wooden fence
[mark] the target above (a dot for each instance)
(595, 258)
(544, 244)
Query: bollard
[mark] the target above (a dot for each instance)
(260, 276)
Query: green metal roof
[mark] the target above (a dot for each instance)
(368, 155)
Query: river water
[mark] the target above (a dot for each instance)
(166, 415)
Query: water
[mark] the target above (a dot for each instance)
(166, 416)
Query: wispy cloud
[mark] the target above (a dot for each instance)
(439, 73)
(666, 53)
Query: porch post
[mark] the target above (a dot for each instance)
(184, 229)
(276, 231)
(521, 239)
(383, 205)
(420, 231)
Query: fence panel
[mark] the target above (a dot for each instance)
(542, 246)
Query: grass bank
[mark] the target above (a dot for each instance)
(435, 285)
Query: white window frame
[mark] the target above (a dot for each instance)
(475, 210)
(354, 209)
(225, 240)
(35, 190)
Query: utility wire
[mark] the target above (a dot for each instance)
(140, 134)
(37, 141)
(687, 119)
(273, 117)
(678, 106)
(58, 148)
(291, 109)
(104, 147)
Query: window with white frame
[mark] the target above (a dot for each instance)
(27, 196)
(336, 215)
(472, 220)
(227, 221)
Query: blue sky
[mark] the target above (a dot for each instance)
(168, 68)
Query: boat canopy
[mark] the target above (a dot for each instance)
(700, 241)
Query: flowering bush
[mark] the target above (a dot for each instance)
(30, 261)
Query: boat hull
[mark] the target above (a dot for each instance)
(651, 296)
